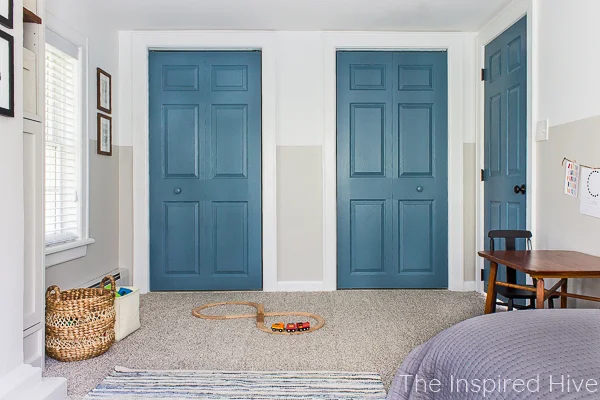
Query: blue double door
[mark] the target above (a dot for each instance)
(392, 169)
(205, 171)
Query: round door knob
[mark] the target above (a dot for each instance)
(520, 189)
(419, 189)
(177, 190)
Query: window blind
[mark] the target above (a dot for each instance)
(62, 147)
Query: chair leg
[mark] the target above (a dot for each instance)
(532, 304)
(550, 303)
(510, 304)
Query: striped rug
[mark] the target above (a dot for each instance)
(126, 383)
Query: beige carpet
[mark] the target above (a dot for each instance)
(364, 331)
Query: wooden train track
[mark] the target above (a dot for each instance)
(259, 315)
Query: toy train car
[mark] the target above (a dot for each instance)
(291, 327)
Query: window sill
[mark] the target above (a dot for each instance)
(63, 253)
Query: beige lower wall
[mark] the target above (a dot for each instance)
(102, 256)
(560, 225)
(469, 210)
(126, 208)
(299, 213)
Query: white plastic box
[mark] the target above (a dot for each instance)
(128, 313)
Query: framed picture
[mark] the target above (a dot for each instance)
(7, 75)
(6, 13)
(104, 135)
(104, 91)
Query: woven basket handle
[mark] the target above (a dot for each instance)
(113, 285)
(54, 289)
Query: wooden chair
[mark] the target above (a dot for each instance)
(511, 294)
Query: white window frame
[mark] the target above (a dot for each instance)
(62, 253)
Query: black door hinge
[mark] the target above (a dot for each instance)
(482, 175)
(482, 277)
(483, 74)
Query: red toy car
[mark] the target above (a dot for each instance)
(303, 326)
(291, 328)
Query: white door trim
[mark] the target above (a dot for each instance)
(141, 43)
(454, 43)
(511, 14)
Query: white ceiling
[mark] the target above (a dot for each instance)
(355, 15)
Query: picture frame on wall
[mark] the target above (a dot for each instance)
(7, 75)
(6, 13)
(104, 135)
(104, 91)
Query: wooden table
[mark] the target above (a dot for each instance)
(541, 264)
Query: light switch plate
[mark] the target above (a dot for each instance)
(541, 132)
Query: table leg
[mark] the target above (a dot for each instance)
(490, 301)
(539, 299)
(563, 299)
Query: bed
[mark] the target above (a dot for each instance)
(531, 354)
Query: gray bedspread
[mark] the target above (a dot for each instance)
(534, 354)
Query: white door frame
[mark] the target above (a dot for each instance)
(514, 12)
(141, 44)
(454, 43)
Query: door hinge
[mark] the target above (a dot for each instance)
(482, 175)
(483, 74)
(482, 277)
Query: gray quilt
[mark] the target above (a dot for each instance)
(534, 354)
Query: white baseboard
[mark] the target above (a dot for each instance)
(26, 382)
(469, 286)
(300, 286)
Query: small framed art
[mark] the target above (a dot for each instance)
(104, 135)
(7, 75)
(6, 13)
(104, 91)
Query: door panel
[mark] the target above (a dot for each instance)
(505, 135)
(392, 169)
(205, 171)
(181, 237)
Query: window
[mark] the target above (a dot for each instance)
(64, 153)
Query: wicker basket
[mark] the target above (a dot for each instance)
(80, 322)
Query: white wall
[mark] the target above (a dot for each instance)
(569, 83)
(303, 68)
(300, 88)
(76, 21)
(103, 50)
(11, 215)
(569, 60)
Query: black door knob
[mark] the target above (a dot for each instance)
(520, 189)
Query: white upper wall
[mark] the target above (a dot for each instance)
(76, 20)
(303, 15)
(568, 60)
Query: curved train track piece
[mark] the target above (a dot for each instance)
(259, 315)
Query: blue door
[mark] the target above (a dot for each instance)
(392, 169)
(505, 134)
(205, 171)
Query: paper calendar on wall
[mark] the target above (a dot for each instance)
(590, 192)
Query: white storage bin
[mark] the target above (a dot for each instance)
(128, 313)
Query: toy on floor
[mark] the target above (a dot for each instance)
(122, 292)
(278, 328)
(289, 328)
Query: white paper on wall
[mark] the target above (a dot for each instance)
(590, 192)
(572, 178)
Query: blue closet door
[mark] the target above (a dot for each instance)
(205, 171)
(505, 135)
(392, 169)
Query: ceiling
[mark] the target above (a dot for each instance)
(355, 15)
